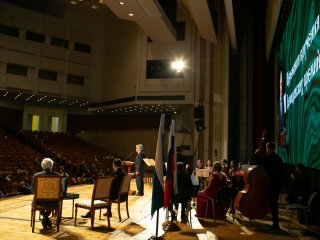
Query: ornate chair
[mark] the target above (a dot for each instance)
(100, 199)
(123, 193)
(47, 190)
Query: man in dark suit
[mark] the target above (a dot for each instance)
(185, 191)
(118, 173)
(140, 168)
(47, 165)
(274, 166)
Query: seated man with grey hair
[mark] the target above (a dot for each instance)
(47, 165)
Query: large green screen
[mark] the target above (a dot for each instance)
(299, 85)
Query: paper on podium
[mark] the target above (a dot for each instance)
(149, 162)
(202, 173)
(194, 180)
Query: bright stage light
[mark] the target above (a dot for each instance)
(178, 65)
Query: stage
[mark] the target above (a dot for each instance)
(15, 223)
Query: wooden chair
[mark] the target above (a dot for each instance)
(100, 199)
(225, 196)
(301, 207)
(123, 193)
(47, 189)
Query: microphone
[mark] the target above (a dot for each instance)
(128, 156)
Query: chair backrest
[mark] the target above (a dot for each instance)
(47, 188)
(102, 188)
(225, 194)
(125, 184)
(312, 196)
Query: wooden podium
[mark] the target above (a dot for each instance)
(128, 165)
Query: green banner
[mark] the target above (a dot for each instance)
(299, 86)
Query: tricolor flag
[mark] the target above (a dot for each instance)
(157, 179)
(171, 185)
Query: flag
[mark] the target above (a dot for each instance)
(171, 185)
(157, 179)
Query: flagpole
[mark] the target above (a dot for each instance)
(157, 179)
(171, 179)
(156, 237)
(170, 226)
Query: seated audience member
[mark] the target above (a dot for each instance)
(65, 177)
(217, 180)
(225, 167)
(118, 173)
(84, 170)
(233, 174)
(194, 179)
(185, 191)
(100, 173)
(22, 172)
(24, 188)
(199, 165)
(47, 165)
(94, 171)
(189, 169)
(298, 185)
(209, 166)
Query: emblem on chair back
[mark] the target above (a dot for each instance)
(103, 187)
(48, 187)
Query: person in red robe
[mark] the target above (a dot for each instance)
(217, 180)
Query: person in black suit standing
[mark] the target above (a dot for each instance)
(47, 165)
(140, 168)
(274, 166)
(185, 191)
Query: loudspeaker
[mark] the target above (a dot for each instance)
(200, 125)
(199, 118)
(199, 112)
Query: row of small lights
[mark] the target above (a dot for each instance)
(122, 3)
(141, 108)
(50, 101)
(95, 7)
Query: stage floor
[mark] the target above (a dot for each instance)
(15, 223)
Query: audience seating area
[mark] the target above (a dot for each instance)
(74, 157)
(14, 153)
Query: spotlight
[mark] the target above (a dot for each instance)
(178, 65)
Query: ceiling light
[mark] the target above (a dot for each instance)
(73, 2)
(130, 14)
(121, 3)
(178, 65)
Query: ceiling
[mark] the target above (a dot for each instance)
(151, 17)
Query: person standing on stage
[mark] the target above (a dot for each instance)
(274, 166)
(140, 168)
